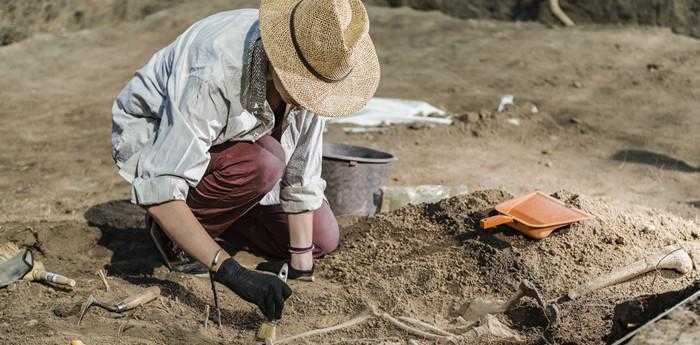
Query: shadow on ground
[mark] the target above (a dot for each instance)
(633, 313)
(658, 160)
(247, 319)
(124, 233)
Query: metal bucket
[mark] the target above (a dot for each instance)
(354, 177)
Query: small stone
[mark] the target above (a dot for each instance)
(545, 152)
(649, 228)
(513, 121)
(469, 117)
(534, 109)
(548, 164)
(419, 125)
(620, 240)
(485, 114)
(31, 323)
(577, 85)
(575, 120)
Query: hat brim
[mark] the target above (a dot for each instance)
(334, 99)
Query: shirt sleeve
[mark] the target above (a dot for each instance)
(302, 187)
(192, 119)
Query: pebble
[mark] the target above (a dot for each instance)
(470, 117)
(513, 121)
(548, 164)
(649, 228)
(31, 323)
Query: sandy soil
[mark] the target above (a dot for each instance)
(617, 123)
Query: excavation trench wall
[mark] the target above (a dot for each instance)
(682, 16)
(20, 19)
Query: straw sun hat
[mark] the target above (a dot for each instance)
(322, 53)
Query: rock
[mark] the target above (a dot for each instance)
(577, 85)
(469, 117)
(649, 228)
(31, 323)
(420, 125)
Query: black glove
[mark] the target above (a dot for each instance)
(266, 291)
(276, 266)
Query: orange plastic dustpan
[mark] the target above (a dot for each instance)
(535, 215)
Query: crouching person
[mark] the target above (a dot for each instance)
(220, 135)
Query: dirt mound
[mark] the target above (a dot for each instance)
(423, 260)
(683, 16)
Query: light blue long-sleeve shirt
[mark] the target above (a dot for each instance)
(187, 98)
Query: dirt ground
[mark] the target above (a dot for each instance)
(616, 123)
(680, 326)
(683, 16)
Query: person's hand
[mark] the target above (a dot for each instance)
(266, 291)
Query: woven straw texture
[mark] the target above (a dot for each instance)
(332, 36)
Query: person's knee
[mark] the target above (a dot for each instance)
(326, 231)
(326, 246)
(268, 171)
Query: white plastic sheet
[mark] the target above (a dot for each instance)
(388, 111)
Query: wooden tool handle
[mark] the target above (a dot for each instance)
(55, 279)
(492, 222)
(134, 301)
(268, 330)
(671, 258)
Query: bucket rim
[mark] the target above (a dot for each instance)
(328, 154)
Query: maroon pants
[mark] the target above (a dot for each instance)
(226, 200)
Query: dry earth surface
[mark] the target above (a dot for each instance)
(617, 123)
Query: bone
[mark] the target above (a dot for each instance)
(426, 325)
(559, 13)
(103, 276)
(350, 323)
(673, 257)
(480, 307)
(413, 330)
